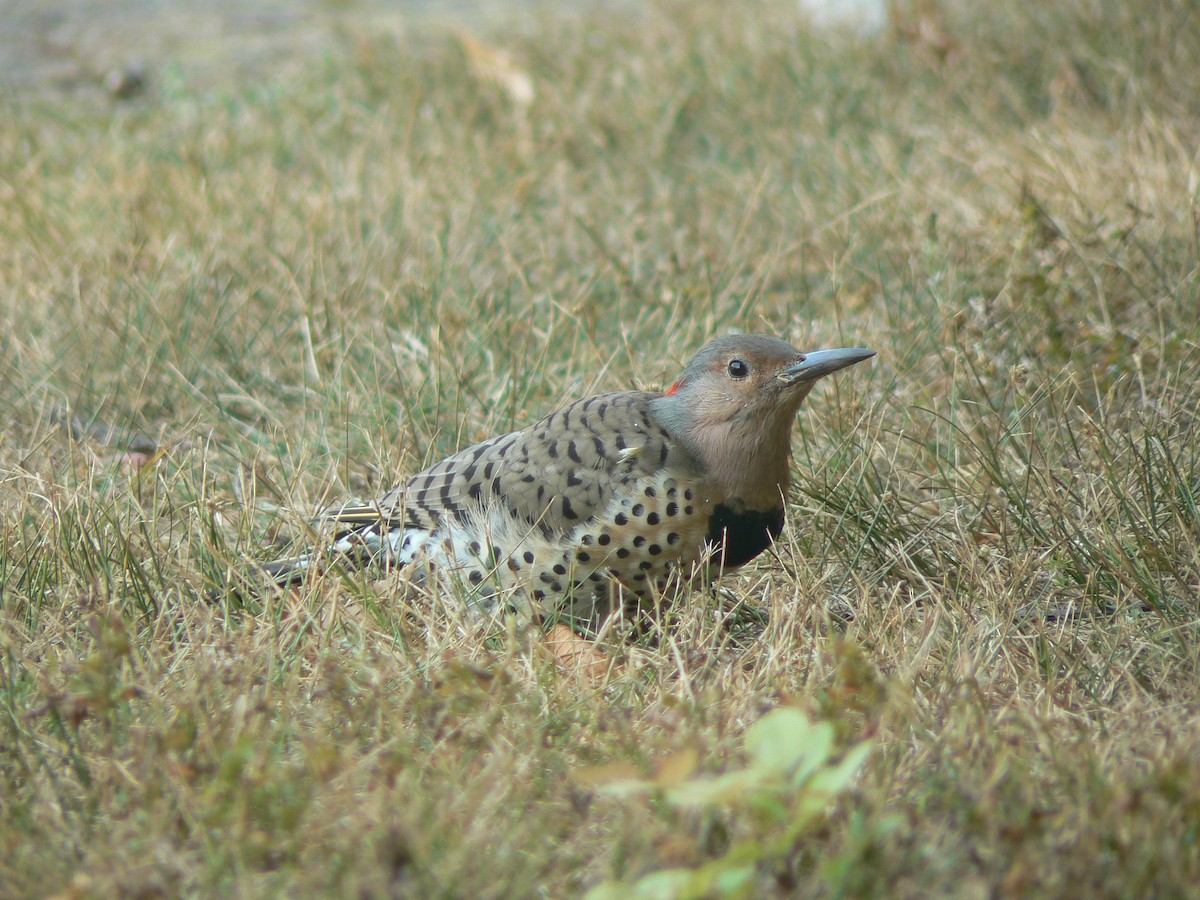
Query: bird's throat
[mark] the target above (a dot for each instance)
(739, 535)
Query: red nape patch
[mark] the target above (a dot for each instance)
(672, 389)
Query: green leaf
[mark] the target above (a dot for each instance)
(666, 884)
(734, 881)
(837, 778)
(784, 740)
(727, 788)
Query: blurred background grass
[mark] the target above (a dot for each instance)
(293, 281)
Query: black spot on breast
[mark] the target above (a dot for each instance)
(645, 565)
(638, 510)
(583, 557)
(741, 535)
(529, 556)
(654, 549)
(560, 569)
(673, 538)
(474, 547)
(476, 576)
(623, 553)
(652, 519)
(621, 519)
(604, 540)
(651, 492)
(672, 509)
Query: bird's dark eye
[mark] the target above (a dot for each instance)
(738, 368)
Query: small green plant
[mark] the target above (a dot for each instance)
(790, 779)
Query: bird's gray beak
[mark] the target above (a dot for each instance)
(820, 363)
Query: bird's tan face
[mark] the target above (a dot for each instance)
(735, 404)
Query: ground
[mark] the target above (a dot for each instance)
(229, 299)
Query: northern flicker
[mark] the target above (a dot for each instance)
(600, 504)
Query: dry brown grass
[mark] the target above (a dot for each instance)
(304, 288)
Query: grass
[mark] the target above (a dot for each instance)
(301, 287)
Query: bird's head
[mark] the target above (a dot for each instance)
(734, 405)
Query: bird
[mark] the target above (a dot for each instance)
(595, 508)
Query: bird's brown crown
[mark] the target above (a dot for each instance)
(735, 376)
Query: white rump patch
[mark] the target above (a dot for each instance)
(398, 547)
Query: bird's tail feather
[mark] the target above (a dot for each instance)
(345, 555)
(363, 537)
(354, 515)
(289, 571)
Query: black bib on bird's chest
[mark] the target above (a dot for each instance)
(740, 535)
